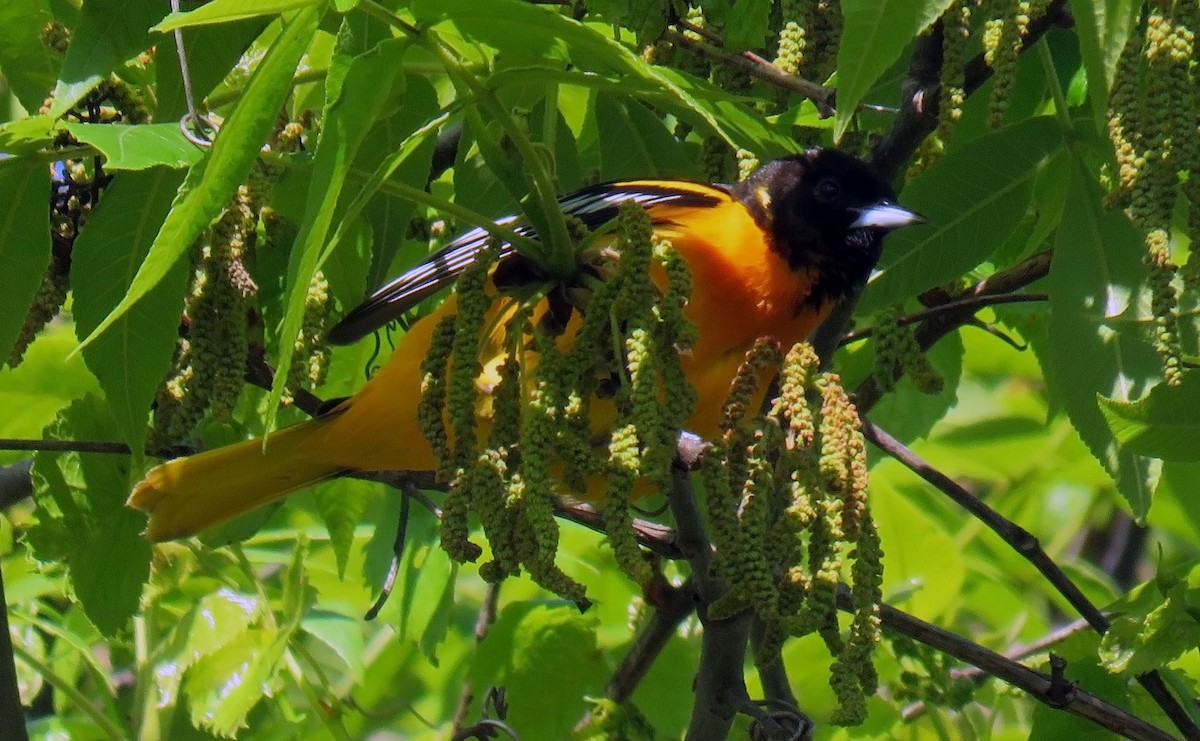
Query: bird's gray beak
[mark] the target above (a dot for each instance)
(887, 216)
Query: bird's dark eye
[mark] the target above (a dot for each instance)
(828, 190)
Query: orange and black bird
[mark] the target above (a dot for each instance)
(770, 257)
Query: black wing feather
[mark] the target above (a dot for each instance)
(594, 206)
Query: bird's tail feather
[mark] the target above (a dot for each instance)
(187, 495)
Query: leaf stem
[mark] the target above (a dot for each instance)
(77, 698)
(1061, 109)
(557, 258)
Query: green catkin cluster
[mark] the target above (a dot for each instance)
(624, 351)
(897, 355)
(56, 37)
(843, 469)
(47, 301)
(1168, 51)
(1188, 121)
(311, 356)
(126, 104)
(717, 157)
(685, 60)
(786, 500)
(113, 100)
(210, 363)
(531, 491)
(956, 32)
(656, 397)
(792, 41)
(747, 163)
(725, 469)
(461, 393)
(823, 32)
(221, 295)
(432, 404)
(1124, 106)
(491, 475)
(1001, 49)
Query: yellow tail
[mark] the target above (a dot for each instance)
(187, 495)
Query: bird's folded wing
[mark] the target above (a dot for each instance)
(594, 206)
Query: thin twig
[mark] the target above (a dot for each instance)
(12, 715)
(918, 110)
(973, 303)
(66, 446)
(672, 609)
(483, 624)
(389, 581)
(938, 326)
(1016, 653)
(1028, 546)
(1077, 702)
(758, 67)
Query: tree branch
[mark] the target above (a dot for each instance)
(1038, 684)
(974, 303)
(1027, 545)
(756, 66)
(939, 325)
(12, 715)
(918, 109)
(1016, 653)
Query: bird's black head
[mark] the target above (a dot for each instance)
(827, 210)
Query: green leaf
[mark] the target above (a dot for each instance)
(132, 358)
(26, 136)
(223, 47)
(1137, 644)
(1163, 424)
(1176, 508)
(341, 504)
(1102, 27)
(974, 197)
(24, 244)
(47, 380)
(1093, 350)
(224, 11)
(138, 147)
(742, 126)
(297, 593)
(211, 182)
(634, 143)
(348, 118)
(109, 33)
(82, 518)
(224, 687)
(439, 622)
(922, 575)
(472, 175)
(874, 34)
(216, 620)
(342, 634)
(527, 29)
(347, 267)
(546, 658)
(29, 66)
(746, 27)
